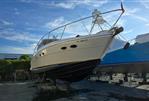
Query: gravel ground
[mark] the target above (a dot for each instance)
(17, 91)
(81, 91)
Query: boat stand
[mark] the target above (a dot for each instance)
(126, 77)
(63, 85)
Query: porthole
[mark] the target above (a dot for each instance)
(73, 46)
(63, 48)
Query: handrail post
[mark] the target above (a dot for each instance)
(63, 32)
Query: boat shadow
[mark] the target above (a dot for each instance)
(93, 91)
(47, 95)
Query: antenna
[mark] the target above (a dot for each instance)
(123, 10)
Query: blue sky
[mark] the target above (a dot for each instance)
(23, 22)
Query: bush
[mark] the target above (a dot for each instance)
(8, 67)
(25, 58)
(20, 64)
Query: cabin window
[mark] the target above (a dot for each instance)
(73, 46)
(44, 52)
(41, 54)
(63, 48)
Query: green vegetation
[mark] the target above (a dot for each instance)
(25, 57)
(9, 67)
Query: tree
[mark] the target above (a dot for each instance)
(25, 57)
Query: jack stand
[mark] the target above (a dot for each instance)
(63, 85)
(144, 77)
(110, 74)
(125, 77)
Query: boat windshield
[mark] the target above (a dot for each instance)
(45, 42)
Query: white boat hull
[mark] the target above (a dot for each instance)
(84, 48)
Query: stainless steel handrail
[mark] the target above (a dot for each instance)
(63, 26)
(121, 9)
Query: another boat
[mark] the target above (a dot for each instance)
(73, 59)
(134, 59)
